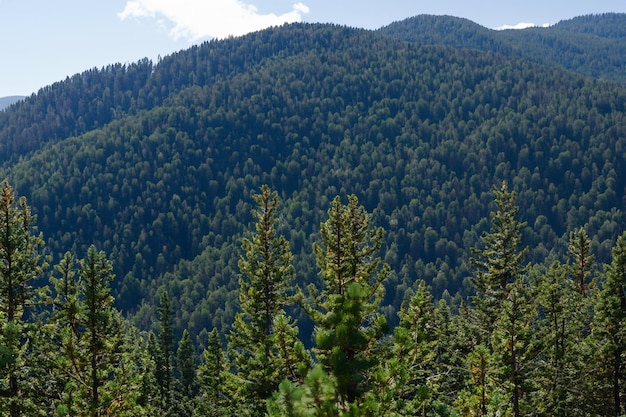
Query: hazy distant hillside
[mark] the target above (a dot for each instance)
(156, 164)
(7, 101)
(592, 45)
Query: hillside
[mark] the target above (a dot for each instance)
(156, 163)
(592, 45)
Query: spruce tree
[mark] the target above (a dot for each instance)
(95, 359)
(345, 311)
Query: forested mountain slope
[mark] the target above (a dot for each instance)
(591, 45)
(159, 164)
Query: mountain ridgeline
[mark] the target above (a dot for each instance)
(156, 164)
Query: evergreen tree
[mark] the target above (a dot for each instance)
(514, 348)
(267, 273)
(98, 362)
(500, 261)
(561, 377)
(164, 352)
(345, 312)
(315, 397)
(67, 310)
(150, 395)
(481, 396)
(213, 379)
(20, 265)
(102, 332)
(502, 301)
(453, 344)
(184, 386)
(186, 365)
(609, 333)
(581, 265)
(410, 378)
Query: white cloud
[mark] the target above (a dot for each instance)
(521, 25)
(197, 19)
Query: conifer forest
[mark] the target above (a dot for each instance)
(315, 220)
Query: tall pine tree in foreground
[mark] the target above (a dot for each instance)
(503, 303)
(346, 310)
(499, 262)
(266, 277)
(20, 265)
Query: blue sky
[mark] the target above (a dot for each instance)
(45, 41)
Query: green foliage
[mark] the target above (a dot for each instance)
(345, 312)
(609, 326)
(158, 164)
(560, 334)
(409, 381)
(21, 264)
(579, 44)
(161, 171)
(186, 365)
(581, 265)
(499, 264)
(263, 344)
(213, 379)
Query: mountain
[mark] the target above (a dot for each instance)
(156, 163)
(8, 100)
(592, 45)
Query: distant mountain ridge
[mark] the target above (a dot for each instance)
(593, 45)
(156, 163)
(8, 100)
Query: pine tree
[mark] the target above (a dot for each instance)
(315, 397)
(186, 365)
(410, 378)
(164, 353)
(500, 261)
(581, 266)
(101, 331)
(513, 346)
(609, 333)
(66, 317)
(212, 379)
(95, 359)
(266, 275)
(345, 312)
(561, 375)
(20, 265)
(502, 301)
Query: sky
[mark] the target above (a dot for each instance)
(45, 41)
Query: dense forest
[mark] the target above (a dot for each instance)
(591, 45)
(535, 339)
(153, 171)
